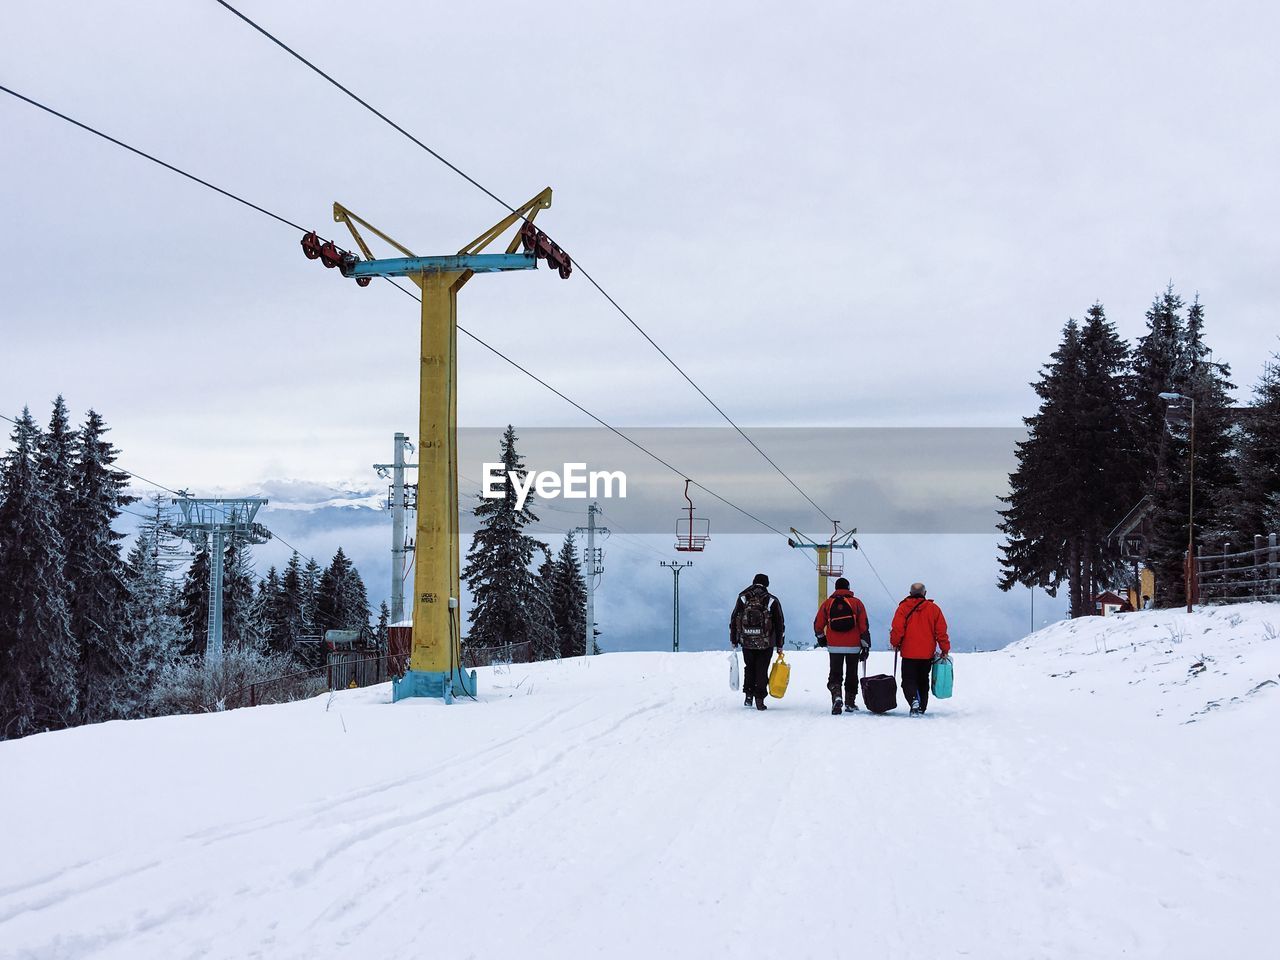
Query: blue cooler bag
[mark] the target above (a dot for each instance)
(940, 678)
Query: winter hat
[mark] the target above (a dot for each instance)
(762, 579)
(842, 584)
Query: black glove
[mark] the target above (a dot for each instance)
(821, 639)
(865, 643)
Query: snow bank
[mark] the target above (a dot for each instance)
(1172, 663)
(627, 805)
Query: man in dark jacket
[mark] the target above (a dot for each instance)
(919, 630)
(841, 626)
(756, 624)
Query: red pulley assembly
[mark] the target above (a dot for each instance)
(529, 237)
(330, 255)
(311, 245)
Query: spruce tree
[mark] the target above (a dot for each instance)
(193, 602)
(509, 604)
(290, 616)
(241, 615)
(384, 623)
(1254, 506)
(270, 609)
(1194, 374)
(156, 628)
(56, 464)
(1079, 470)
(311, 574)
(39, 681)
(342, 602)
(1158, 361)
(1037, 551)
(96, 574)
(569, 599)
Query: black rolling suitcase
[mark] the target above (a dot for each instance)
(880, 693)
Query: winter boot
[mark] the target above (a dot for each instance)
(760, 704)
(915, 708)
(748, 701)
(850, 707)
(837, 707)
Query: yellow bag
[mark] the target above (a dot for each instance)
(779, 674)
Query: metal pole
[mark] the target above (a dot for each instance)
(589, 635)
(675, 567)
(675, 636)
(397, 530)
(213, 642)
(1191, 512)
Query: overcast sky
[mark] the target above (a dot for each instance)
(845, 214)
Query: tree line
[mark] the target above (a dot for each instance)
(521, 592)
(1104, 442)
(91, 633)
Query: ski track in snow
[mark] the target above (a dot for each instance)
(1103, 788)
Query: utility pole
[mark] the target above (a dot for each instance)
(218, 519)
(592, 567)
(675, 566)
(398, 500)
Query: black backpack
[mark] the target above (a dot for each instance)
(755, 623)
(841, 616)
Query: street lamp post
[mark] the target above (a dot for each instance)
(1191, 498)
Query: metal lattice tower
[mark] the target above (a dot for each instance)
(217, 519)
(398, 500)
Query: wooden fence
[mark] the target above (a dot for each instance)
(1238, 576)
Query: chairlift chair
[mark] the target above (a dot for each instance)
(833, 565)
(692, 533)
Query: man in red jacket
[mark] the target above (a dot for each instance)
(919, 629)
(841, 626)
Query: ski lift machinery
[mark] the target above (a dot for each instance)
(692, 533)
(829, 554)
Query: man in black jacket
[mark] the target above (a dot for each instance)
(757, 624)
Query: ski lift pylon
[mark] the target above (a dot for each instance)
(692, 533)
(831, 565)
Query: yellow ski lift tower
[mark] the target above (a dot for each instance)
(829, 555)
(435, 659)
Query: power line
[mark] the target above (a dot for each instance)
(510, 209)
(408, 293)
(645, 450)
(147, 156)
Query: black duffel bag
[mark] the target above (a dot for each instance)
(880, 693)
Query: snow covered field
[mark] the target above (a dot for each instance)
(1103, 788)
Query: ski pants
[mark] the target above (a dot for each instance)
(755, 680)
(915, 680)
(845, 664)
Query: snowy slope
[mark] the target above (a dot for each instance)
(628, 806)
